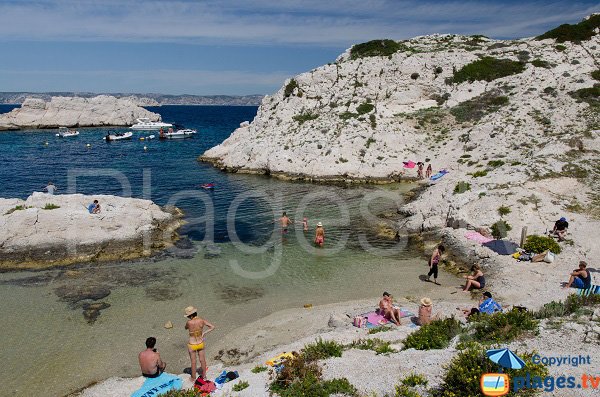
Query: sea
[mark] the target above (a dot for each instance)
(233, 262)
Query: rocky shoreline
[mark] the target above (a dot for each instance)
(57, 230)
(98, 111)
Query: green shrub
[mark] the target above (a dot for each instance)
(474, 109)
(289, 88)
(348, 115)
(575, 33)
(561, 48)
(311, 385)
(500, 229)
(590, 95)
(480, 173)
(240, 386)
(435, 335)
(322, 349)
(538, 244)
(413, 380)
(376, 330)
(377, 345)
(365, 108)
(495, 163)
(465, 370)
(538, 63)
(462, 187)
(488, 69)
(17, 208)
(571, 305)
(414, 76)
(373, 121)
(502, 327)
(258, 369)
(596, 74)
(182, 393)
(502, 210)
(303, 117)
(405, 391)
(376, 48)
(50, 206)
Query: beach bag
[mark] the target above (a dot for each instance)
(549, 258)
(204, 386)
(359, 322)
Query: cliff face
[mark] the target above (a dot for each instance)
(75, 112)
(442, 97)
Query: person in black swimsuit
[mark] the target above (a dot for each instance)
(475, 280)
(433, 263)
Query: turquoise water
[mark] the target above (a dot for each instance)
(238, 266)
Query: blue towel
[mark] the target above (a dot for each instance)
(160, 385)
(594, 289)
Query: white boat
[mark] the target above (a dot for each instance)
(179, 134)
(64, 132)
(144, 124)
(119, 136)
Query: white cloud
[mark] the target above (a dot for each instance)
(332, 22)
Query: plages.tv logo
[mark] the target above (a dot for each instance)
(498, 384)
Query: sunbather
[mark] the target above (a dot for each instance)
(475, 280)
(387, 309)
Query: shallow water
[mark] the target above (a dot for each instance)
(46, 341)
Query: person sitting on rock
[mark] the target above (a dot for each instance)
(425, 312)
(51, 188)
(475, 280)
(150, 362)
(387, 309)
(580, 278)
(94, 208)
(560, 228)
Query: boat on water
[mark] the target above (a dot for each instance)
(118, 136)
(179, 134)
(64, 132)
(144, 124)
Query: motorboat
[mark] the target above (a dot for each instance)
(144, 124)
(118, 136)
(179, 134)
(64, 132)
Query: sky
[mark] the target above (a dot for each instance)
(230, 47)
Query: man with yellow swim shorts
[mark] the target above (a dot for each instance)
(195, 326)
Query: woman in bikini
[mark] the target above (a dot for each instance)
(195, 326)
(319, 235)
(475, 280)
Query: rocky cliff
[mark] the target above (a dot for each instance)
(50, 230)
(101, 110)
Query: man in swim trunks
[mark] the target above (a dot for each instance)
(580, 278)
(285, 222)
(195, 326)
(150, 363)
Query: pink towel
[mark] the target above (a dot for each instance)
(481, 239)
(409, 164)
(376, 319)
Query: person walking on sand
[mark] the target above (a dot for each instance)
(580, 278)
(433, 263)
(285, 222)
(429, 171)
(195, 326)
(319, 235)
(476, 279)
(150, 362)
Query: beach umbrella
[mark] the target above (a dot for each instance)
(502, 247)
(505, 358)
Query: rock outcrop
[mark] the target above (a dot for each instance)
(51, 230)
(102, 110)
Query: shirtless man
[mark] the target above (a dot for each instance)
(387, 309)
(150, 363)
(195, 326)
(285, 222)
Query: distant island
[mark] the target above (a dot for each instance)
(142, 99)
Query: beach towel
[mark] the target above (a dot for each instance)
(439, 175)
(409, 164)
(279, 359)
(374, 319)
(159, 385)
(594, 289)
(477, 237)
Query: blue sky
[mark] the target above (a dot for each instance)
(208, 47)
